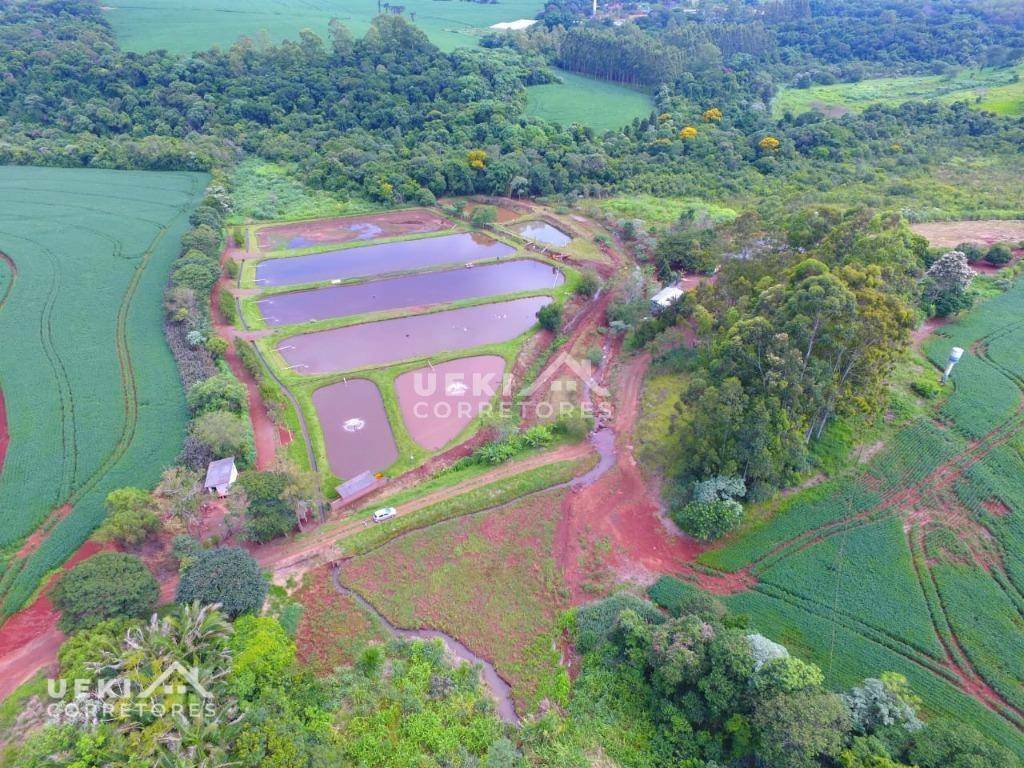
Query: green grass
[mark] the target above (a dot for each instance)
(180, 27)
(262, 191)
(594, 103)
(494, 494)
(663, 211)
(990, 89)
(435, 577)
(94, 400)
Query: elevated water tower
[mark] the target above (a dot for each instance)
(954, 357)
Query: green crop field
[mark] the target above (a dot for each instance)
(997, 90)
(93, 397)
(197, 25)
(916, 563)
(597, 104)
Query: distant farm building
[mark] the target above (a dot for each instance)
(220, 476)
(514, 26)
(665, 298)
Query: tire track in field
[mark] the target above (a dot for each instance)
(69, 446)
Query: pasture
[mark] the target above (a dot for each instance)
(597, 104)
(93, 398)
(149, 25)
(914, 563)
(996, 90)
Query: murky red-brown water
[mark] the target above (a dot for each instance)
(302, 234)
(356, 429)
(370, 260)
(408, 338)
(438, 401)
(542, 232)
(410, 291)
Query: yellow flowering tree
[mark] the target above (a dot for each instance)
(713, 115)
(769, 144)
(477, 159)
(689, 132)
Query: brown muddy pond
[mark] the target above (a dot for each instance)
(370, 260)
(355, 426)
(303, 234)
(542, 232)
(408, 338)
(438, 401)
(410, 291)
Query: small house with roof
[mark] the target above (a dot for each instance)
(220, 475)
(665, 298)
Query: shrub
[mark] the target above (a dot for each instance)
(999, 254)
(106, 586)
(269, 515)
(483, 215)
(926, 388)
(972, 251)
(226, 434)
(682, 599)
(228, 576)
(131, 517)
(709, 520)
(588, 285)
(550, 317)
(226, 305)
(595, 622)
(222, 392)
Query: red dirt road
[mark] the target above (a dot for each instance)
(266, 433)
(29, 639)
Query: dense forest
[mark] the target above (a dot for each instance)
(390, 118)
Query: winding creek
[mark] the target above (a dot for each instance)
(603, 440)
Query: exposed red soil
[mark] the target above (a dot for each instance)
(948, 234)
(265, 431)
(39, 535)
(302, 234)
(920, 334)
(29, 639)
(996, 507)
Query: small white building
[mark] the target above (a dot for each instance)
(665, 298)
(220, 476)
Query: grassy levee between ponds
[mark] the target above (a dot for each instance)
(410, 454)
(483, 499)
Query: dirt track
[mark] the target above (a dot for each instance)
(265, 432)
(5, 436)
(29, 639)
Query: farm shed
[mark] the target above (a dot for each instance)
(220, 475)
(665, 298)
(356, 488)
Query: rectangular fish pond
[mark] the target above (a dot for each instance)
(439, 401)
(384, 258)
(355, 425)
(409, 291)
(303, 234)
(408, 338)
(542, 232)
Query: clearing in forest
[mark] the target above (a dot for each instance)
(998, 90)
(91, 393)
(917, 564)
(949, 234)
(597, 104)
